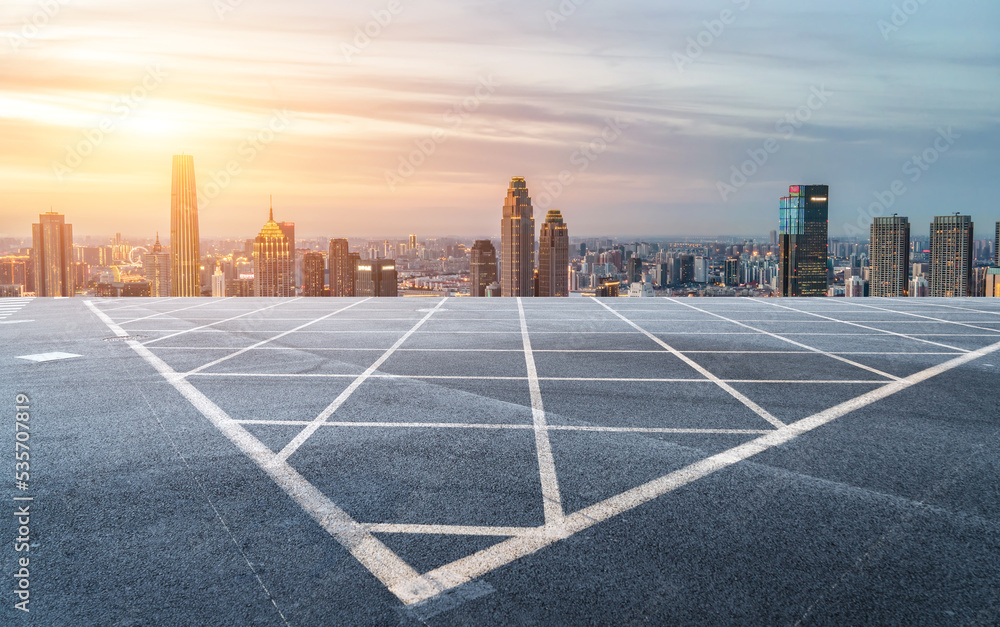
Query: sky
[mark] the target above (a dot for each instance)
(388, 117)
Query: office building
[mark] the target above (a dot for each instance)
(854, 287)
(517, 237)
(732, 278)
(314, 274)
(483, 266)
(218, 283)
(890, 257)
(996, 247)
(553, 257)
(951, 256)
(919, 287)
(272, 264)
(413, 242)
(156, 268)
(701, 270)
(53, 246)
(341, 269)
(684, 269)
(185, 256)
(993, 282)
(633, 269)
(376, 278)
(802, 235)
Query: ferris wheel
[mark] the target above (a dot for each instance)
(135, 256)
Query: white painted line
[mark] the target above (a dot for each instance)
(306, 433)
(167, 313)
(501, 426)
(552, 501)
(212, 324)
(15, 321)
(375, 556)
(272, 339)
(793, 342)
(854, 324)
(927, 319)
(757, 409)
(144, 305)
(433, 377)
(43, 357)
(465, 570)
(452, 530)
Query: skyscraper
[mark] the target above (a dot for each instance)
(951, 256)
(553, 257)
(53, 244)
(413, 242)
(341, 269)
(633, 267)
(484, 267)
(185, 268)
(890, 257)
(314, 274)
(517, 237)
(156, 267)
(272, 264)
(377, 278)
(732, 278)
(996, 247)
(802, 241)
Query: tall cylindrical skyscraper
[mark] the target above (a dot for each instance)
(185, 275)
(517, 236)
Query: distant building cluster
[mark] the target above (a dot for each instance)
(797, 259)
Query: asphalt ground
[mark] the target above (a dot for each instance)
(460, 461)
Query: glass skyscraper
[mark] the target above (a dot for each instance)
(803, 227)
(272, 264)
(483, 265)
(185, 263)
(53, 244)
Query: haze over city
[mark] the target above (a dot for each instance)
(417, 125)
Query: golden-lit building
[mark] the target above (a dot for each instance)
(185, 265)
(272, 264)
(314, 274)
(156, 267)
(342, 267)
(53, 244)
(553, 256)
(517, 242)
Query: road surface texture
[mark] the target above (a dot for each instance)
(490, 461)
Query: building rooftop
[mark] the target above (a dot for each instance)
(443, 461)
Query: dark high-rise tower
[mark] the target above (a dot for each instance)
(185, 262)
(951, 256)
(483, 266)
(996, 247)
(890, 257)
(517, 236)
(272, 265)
(341, 269)
(802, 241)
(377, 278)
(53, 246)
(553, 256)
(314, 273)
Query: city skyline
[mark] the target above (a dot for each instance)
(319, 119)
